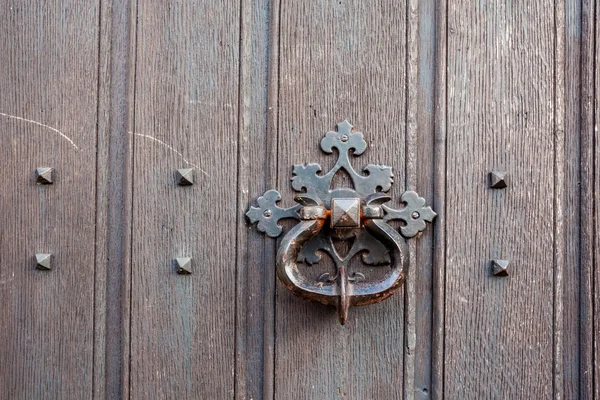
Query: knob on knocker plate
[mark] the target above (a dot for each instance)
(327, 213)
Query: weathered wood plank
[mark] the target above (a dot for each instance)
(340, 60)
(596, 235)
(186, 116)
(560, 197)
(48, 103)
(501, 115)
(425, 171)
(271, 164)
(572, 278)
(439, 205)
(255, 259)
(411, 181)
(102, 194)
(113, 199)
(588, 201)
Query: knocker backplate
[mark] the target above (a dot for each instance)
(329, 214)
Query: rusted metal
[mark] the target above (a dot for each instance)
(356, 214)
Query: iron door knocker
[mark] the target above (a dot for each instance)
(326, 213)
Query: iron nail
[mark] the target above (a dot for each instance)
(43, 176)
(500, 267)
(43, 261)
(497, 179)
(185, 176)
(184, 265)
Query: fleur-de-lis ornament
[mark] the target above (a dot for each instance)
(327, 213)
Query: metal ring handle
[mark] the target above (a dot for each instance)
(341, 293)
(358, 212)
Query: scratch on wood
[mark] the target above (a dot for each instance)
(43, 126)
(170, 148)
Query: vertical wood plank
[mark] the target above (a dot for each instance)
(255, 256)
(588, 201)
(596, 202)
(271, 164)
(560, 196)
(588, 351)
(340, 60)
(102, 194)
(48, 76)
(186, 110)
(572, 277)
(113, 199)
(440, 196)
(410, 179)
(425, 171)
(501, 115)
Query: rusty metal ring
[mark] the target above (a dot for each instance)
(340, 292)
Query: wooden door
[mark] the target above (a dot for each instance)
(116, 95)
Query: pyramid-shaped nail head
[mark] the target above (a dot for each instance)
(497, 180)
(500, 267)
(185, 176)
(43, 261)
(184, 265)
(43, 176)
(345, 213)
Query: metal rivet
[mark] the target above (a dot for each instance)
(43, 261)
(185, 176)
(345, 213)
(184, 265)
(415, 215)
(268, 213)
(500, 267)
(344, 138)
(497, 179)
(43, 176)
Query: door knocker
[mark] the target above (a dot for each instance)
(328, 213)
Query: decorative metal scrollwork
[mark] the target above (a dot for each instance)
(326, 213)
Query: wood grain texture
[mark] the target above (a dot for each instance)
(102, 195)
(572, 277)
(439, 205)
(340, 60)
(596, 202)
(186, 116)
(410, 179)
(255, 257)
(588, 201)
(560, 196)
(501, 115)
(425, 172)
(48, 76)
(114, 191)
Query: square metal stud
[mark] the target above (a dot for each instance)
(185, 176)
(43, 261)
(497, 179)
(500, 267)
(43, 176)
(184, 265)
(345, 213)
